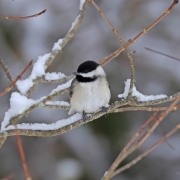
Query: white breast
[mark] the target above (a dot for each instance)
(90, 97)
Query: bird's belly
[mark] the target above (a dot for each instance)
(89, 99)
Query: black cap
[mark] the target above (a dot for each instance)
(87, 66)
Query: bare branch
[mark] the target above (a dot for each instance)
(21, 152)
(124, 154)
(22, 17)
(162, 53)
(117, 161)
(138, 158)
(10, 177)
(150, 109)
(6, 70)
(131, 41)
(135, 142)
(129, 54)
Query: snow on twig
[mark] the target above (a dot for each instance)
(54, 76)
(59, 103)
(18, 104)
(41, 126)
(27, 86)
(140, 97)
(37, 71)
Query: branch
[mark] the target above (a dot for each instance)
(138, 158)
(61, 89)
(43, 102)
(10, 177)
(10, 78)
(39, 103)
(123, 154)
(6, 70)
(22, 17)
(22, 155)
(35, 78)
(150, 109)
(57, 104)
(65, 79)
(129, 54)
(60, 45)
(65, 88)
(131, 41)
(161, 53)
(58, 131)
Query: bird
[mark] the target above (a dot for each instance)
(89, 90)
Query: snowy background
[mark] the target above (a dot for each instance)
(88, 151)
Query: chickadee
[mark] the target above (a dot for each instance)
(89, 90)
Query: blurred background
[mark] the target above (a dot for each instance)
(85, 153)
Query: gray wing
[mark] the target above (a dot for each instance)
(72, 111)
(72, 87)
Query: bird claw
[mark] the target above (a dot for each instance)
(85, 116)
(104, 109)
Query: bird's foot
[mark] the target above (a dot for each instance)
(85, 116)
(104, 109)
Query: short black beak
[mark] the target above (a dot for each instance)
(75, 73)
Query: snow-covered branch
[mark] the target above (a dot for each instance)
(27, 86)
(130, 100)
(21, 104)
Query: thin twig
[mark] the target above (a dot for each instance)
(10, 177)
(152, 118)
(6, 70)
(17, 78)
(162, 53)
(22, 155)
(22, 17)
(150, 109)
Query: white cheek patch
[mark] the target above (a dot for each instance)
(90, 74)
(98, 72)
